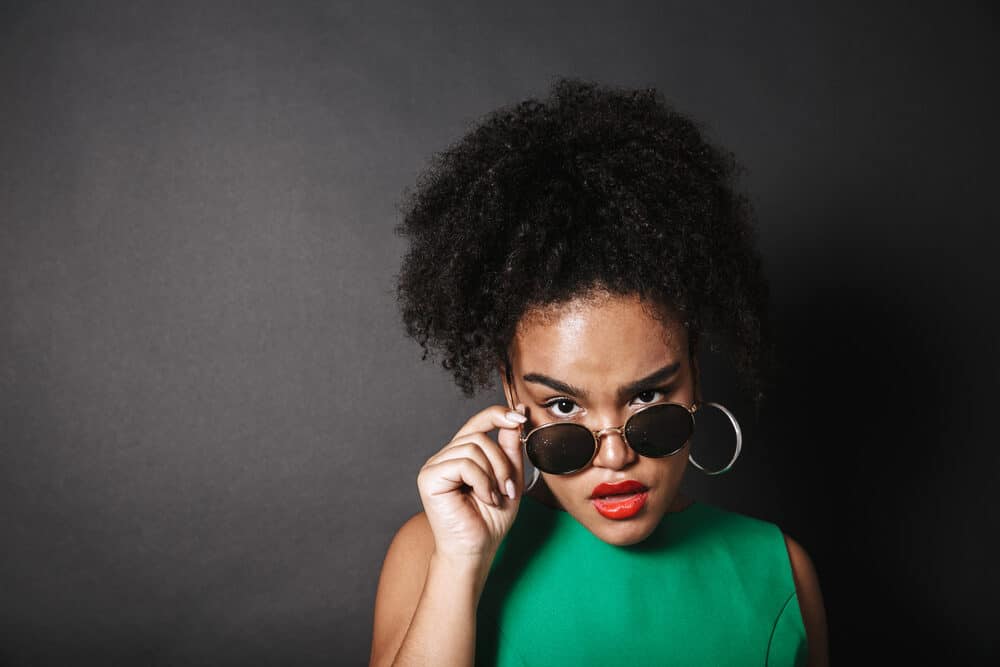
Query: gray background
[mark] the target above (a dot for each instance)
(212, 423)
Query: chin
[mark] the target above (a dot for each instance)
(625, 532)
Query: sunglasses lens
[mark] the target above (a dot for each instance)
(660, 430)
(560, 448)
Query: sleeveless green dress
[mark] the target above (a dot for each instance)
(707, 587)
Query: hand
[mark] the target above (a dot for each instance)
(464, 487)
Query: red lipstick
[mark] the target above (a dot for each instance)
(621, 500)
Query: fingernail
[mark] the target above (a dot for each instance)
(496, 498)
(511, 491)
(520, 408)
(515, 417)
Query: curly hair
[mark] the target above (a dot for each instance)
(592, 188)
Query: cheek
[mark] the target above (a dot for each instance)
(668, 470)
(671, 468)
(558, 484)
(569, 489)
(677, 464)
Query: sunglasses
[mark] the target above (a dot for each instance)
(655, 431)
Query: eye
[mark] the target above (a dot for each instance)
(649, 396)
(561, 407)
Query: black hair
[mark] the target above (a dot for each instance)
(591, 188)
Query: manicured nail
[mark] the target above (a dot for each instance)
(511, 491)
(496, 498)
(512, 416)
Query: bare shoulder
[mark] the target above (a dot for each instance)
(810, 602)
(400, 585)
(413, 540)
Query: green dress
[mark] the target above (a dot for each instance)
(707, 587)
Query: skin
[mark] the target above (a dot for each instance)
(436, 567)
(570, 344)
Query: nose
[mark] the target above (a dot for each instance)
(612, 450)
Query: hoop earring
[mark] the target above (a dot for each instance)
(534, 479)
(739, 442)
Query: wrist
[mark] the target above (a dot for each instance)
(462, 570)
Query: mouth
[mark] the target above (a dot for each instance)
(626, 487)
(621, 500)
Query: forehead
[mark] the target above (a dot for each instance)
(596, 340)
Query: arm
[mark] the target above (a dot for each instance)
(425, 607)
(437, 564)
(810, 603)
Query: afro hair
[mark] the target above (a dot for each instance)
(591, 188)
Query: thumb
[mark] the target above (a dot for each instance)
(509, 440)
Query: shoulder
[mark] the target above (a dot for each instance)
(400, 584)
(413, 539)
(810, 601)
(742, 533)
(408, 555)
(740, 530)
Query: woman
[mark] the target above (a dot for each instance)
(578, 248)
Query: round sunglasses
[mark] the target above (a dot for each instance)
(655, 431)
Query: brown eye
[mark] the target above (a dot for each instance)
(649, 396)
(561, 407)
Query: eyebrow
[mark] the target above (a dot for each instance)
(625, 391)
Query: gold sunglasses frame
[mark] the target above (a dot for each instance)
(620, 430)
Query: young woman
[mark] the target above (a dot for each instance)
(577, 249)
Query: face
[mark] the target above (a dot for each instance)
(595, 361)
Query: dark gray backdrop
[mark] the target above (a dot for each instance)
(212, 421)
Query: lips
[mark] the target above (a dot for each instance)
(621, 500)
(622, 488)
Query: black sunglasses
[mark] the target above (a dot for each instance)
(655, 431)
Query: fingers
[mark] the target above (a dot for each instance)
(448, 475)
(493, 417)
(509, 441)
(501, 465)
(509, 426)
(480, 448)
